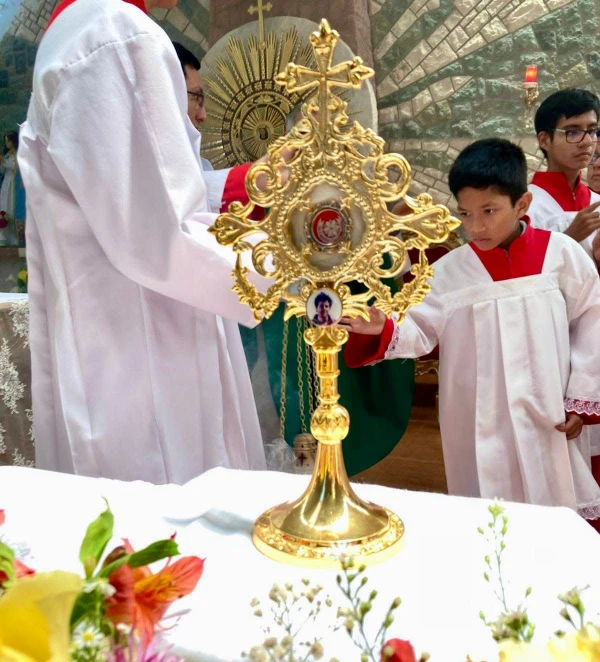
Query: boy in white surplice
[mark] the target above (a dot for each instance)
(516, 314)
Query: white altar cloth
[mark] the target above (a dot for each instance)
(438, 573)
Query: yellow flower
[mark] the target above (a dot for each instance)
(34, 617)
(511, 651)
(580, 646)
(23, 275)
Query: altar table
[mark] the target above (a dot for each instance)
(437, 573)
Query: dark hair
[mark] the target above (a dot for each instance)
(564, 103)
(13, 136)
(186, 57)
(491, 163)
(323, 297)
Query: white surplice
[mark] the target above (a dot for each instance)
(514, 354)
(138, 370)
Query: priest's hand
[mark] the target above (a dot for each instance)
(374, 327)
(573, 426)
(586, 222)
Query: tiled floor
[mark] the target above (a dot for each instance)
(416, 463)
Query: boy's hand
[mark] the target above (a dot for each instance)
(586, 222)
(373, 327)
(572, 428)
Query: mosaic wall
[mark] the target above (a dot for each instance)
(448, 71)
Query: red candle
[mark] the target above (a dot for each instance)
(531, 74)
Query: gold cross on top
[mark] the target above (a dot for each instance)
(349, 74)
(261, 8)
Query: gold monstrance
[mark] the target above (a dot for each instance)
(328, 224)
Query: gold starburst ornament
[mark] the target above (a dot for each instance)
(328, 225)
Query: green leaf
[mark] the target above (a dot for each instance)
(7, 563)
(107, 570)
(155, 552)
(97, 536)
(85, 605)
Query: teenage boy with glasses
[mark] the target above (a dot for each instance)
(566, 125)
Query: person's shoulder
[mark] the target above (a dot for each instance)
(455, 256)
(449, 268)
(565, 255)
(88, 26)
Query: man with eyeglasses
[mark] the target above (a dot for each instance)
(566, 125)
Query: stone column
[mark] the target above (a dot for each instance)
(349, 17)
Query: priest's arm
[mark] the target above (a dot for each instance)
(140, 182)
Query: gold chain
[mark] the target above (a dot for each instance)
(282, 397)
(315, 379)
(303, 353)
(310, 373)
(300, 324)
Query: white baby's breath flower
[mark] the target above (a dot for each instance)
(317, 651)
(279, 652)
(258, 654)
(102, 585)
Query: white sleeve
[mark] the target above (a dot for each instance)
(419, 333)
(215, 187)
(119, 138)
(556, 222)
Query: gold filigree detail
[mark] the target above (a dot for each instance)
(330, 150)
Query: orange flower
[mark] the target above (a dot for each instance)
(142, 598)
(21, 570)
